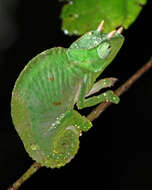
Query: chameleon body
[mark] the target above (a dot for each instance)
(49, 86)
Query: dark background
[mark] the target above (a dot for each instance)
(117, 151)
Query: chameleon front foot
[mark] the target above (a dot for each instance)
(107, 96)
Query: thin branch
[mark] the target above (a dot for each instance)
(92, 116)
(33, 169)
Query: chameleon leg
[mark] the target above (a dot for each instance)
(107, 96)
(103, 83)
(73, 118)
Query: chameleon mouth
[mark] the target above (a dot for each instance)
(112, 33)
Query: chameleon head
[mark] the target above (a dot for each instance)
(95, 50)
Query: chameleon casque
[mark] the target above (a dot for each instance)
(49, 86)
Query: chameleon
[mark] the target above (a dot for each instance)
(51, 84)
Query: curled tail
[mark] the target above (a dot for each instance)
(65, 142)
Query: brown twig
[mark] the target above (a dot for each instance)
(33, 169)
(92, 116)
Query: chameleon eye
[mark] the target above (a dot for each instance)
(104, 50)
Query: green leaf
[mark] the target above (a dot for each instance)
(80, 16)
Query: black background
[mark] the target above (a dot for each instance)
(117, 151)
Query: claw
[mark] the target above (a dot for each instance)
(111, 34)
(119, 31)
(100, 27)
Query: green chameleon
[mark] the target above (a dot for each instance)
(49, 86)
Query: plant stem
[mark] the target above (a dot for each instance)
(92, 116)
(33, 169)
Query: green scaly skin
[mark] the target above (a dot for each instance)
(47, 90)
